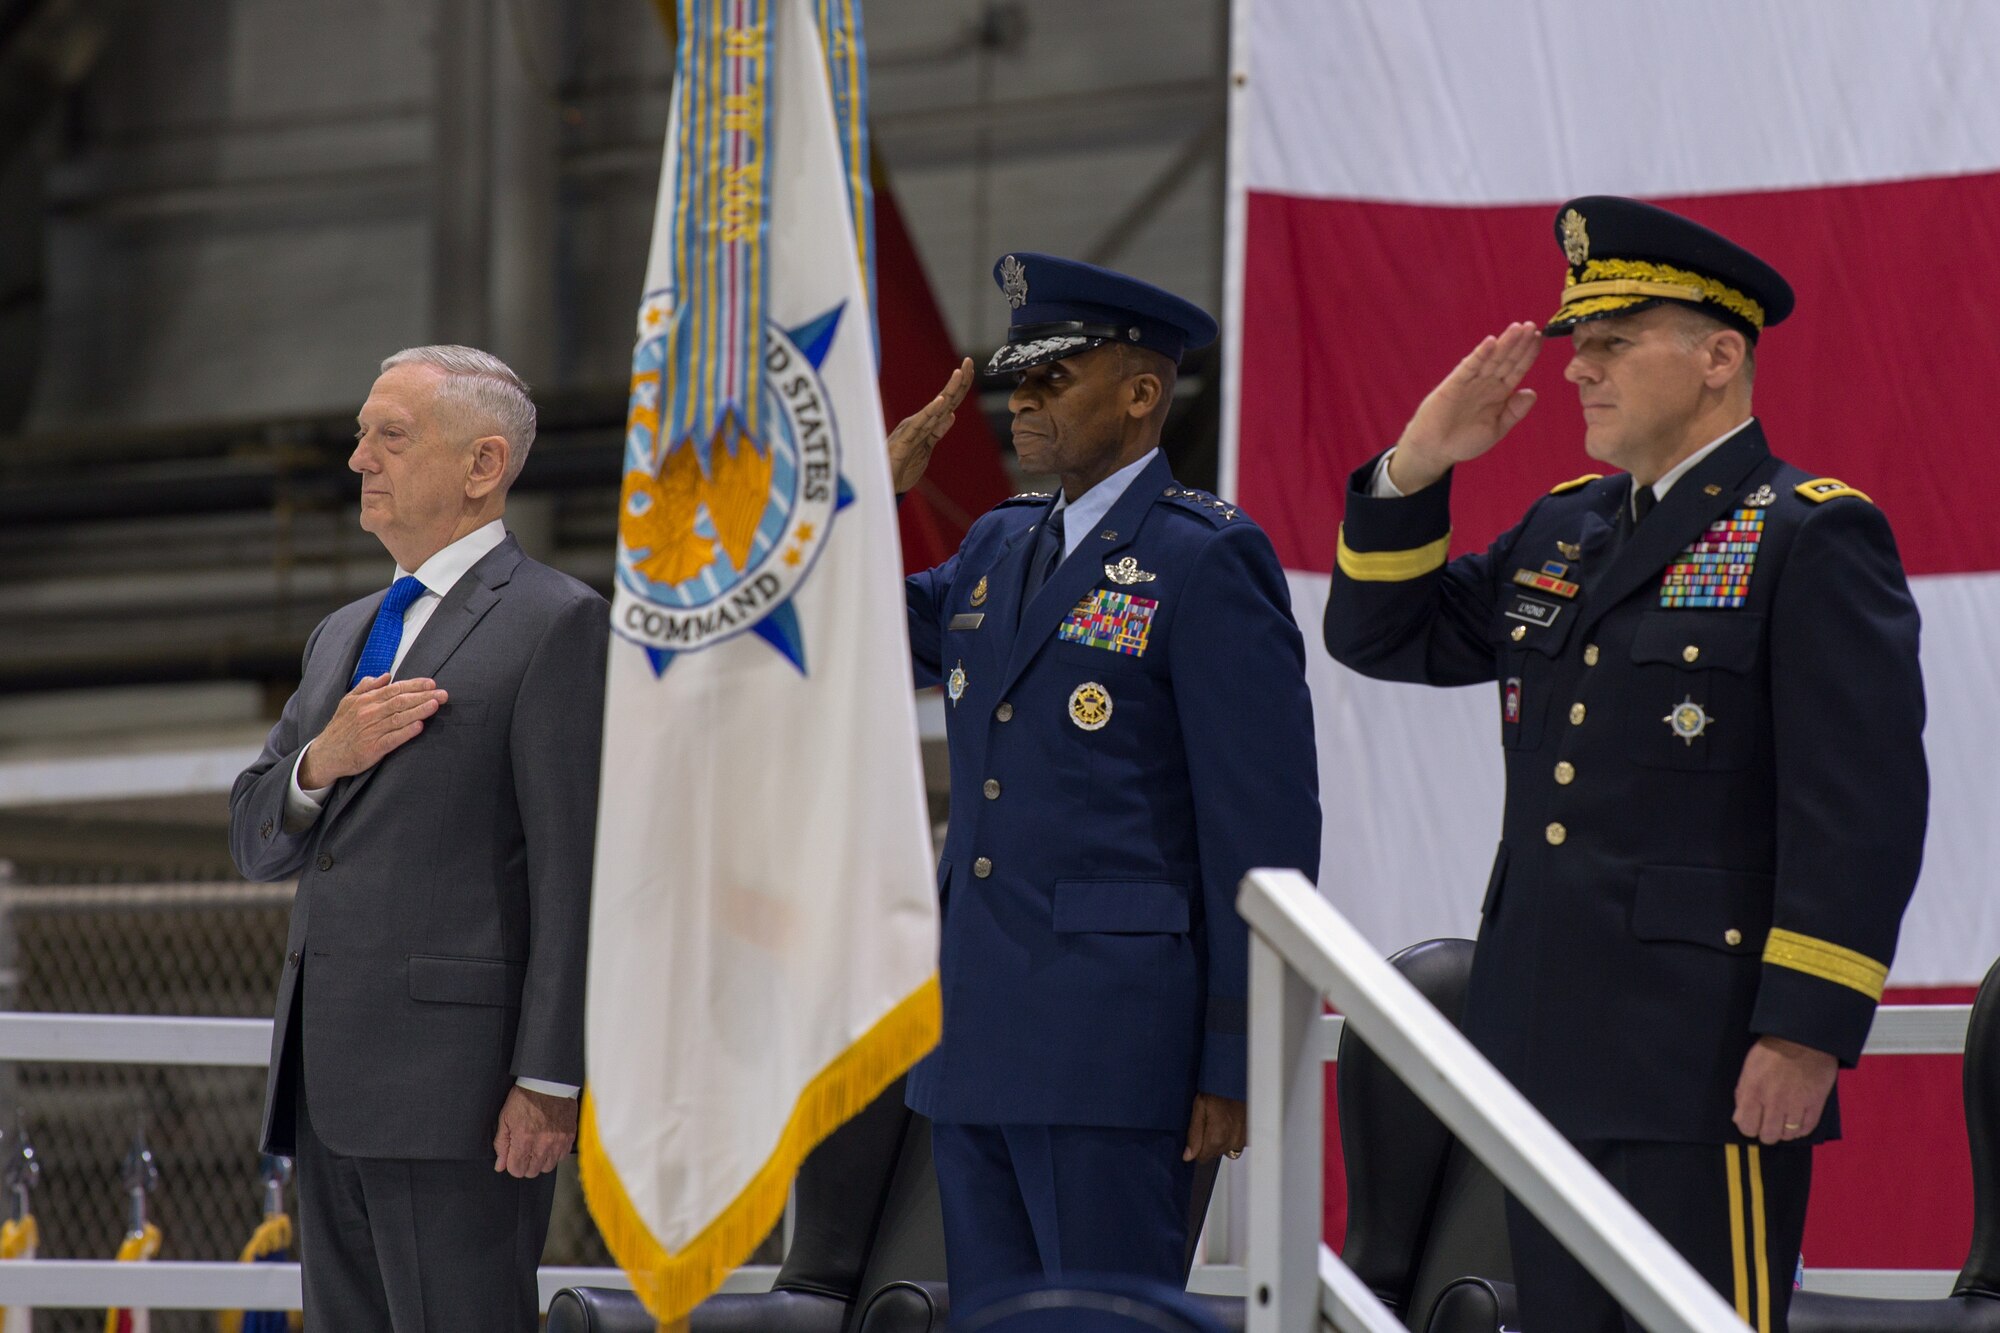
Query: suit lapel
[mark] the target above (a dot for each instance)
(340, 647)
(1678, 520)
(1083, 568)
(476, 593)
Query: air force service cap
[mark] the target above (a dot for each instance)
(1062, 307)
(1626, 256)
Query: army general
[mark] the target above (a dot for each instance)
(1709, 697)
(1129, 734)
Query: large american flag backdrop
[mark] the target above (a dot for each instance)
(1395, 169)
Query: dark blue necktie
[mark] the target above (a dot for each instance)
(379, 653)
(1048, 553)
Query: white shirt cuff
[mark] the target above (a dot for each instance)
(1381, 488)
(302, 807)
(549, 1089)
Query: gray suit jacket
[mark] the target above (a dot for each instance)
(444, 895)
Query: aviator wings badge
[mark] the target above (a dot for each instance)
(1127, 572)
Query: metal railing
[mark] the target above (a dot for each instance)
(1304, 952)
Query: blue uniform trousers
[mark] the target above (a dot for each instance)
(1736, 1212)
(1044, 1201)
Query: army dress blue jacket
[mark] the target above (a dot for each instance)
(1124, 748)
(1716, 789)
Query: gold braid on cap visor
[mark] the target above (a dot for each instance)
(1613, 284)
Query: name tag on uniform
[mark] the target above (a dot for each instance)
(968, 620)
(1534, 610)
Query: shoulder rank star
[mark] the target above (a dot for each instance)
(954, 685)
(1761, 497)
(1127, 572)
(1689, 719)
(979, 592)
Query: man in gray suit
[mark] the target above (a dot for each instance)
(433, 785)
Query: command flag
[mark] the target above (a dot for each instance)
(764, 928)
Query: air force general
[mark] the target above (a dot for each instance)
(1129, 733)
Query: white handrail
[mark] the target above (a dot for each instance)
(1292, 922)
(85, 1284)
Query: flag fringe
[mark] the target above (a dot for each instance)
(673, 1284)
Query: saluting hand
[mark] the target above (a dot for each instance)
(910, 444)
(1477, 404)
(1782, 1090)
(535, 1132)
(373, 718)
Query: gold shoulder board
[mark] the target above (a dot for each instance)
(1821, 489)
(1569, 486)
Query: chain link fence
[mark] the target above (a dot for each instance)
(209, 949)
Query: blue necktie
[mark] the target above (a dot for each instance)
(379, 653)
(1048, 553)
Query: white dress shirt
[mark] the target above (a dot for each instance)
(1096, 502)
(1381, 488)
(439, 575)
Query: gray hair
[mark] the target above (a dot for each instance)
(486, 395)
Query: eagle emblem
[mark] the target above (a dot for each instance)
(1576, 240)
(1014, 281)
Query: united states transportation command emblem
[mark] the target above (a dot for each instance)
(1688, 720)
(715, 540)
(954, 686)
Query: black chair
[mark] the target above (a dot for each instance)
(1974, 1303)
(866, 1215)
(1422, 1211)
(867, 1251)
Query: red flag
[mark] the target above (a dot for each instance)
(965, 477)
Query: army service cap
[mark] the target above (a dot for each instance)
(1063, 306)
(1625, 256)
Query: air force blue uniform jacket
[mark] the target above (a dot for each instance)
(1124, 747)
(1716, 789)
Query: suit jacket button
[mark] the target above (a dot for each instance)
(1005, 712)
(1590, 655)
(1557, 834)
(1732, 937)
(1520, 633)
(295, 958)
(1576, 715)
(982, 867)
(265, 831)
(1690, 653)
(992, 789)
(1565, 772)
(326, 860)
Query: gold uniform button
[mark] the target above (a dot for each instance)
(992, 789)
(1576, 715)
(1520, 633)
(1732, 937)
(1005, 712)
(982, 867)
(1689, 653)
(1590, 655)
(1565, 772)
(1557, 834)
